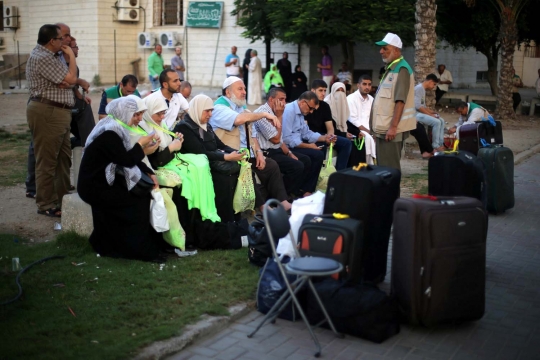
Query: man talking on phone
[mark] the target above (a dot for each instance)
(301, 140)
(294, 167)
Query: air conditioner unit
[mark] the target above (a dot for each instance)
(127, 3)
(169, 39)
(146, 40)
(128, 14)
(10, 15)
(128, 10)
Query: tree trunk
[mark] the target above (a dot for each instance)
(508, 40)
(426, 37)
(492, 60)
(347, 51)
(268, 44)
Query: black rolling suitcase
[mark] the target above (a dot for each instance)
(367, 195)
(499, 164)
(338, 239)
(472, 137)
(457, 173)
(439, 259)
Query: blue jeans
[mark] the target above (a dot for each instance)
(437, 125)
(154, 82)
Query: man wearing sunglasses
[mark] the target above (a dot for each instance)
(48, 114)
(300, 139)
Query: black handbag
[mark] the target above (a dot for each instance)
(259, 248)
(143, 186)
(225, 167)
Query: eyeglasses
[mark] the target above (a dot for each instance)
(57, 38)
(310, 108)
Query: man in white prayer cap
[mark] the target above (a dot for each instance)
(230, 120)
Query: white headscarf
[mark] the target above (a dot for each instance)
(339, 106)
(197, 105)
(155, 104)
(141, 105)
(121, 109)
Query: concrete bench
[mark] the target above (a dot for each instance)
(76, 215)
(478, 97)
(456, 96)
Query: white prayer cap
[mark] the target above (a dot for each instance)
(230, 80)
(390, 39)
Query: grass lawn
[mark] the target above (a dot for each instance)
(418, 183)
(84, 306)
(13, 155)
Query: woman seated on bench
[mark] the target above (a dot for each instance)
(121, 219)
(199, 138)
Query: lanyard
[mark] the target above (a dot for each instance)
(388, 68)
(161, 129)
(136, 130)
(359, 143)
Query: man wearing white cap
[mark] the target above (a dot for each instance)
(230, 119)
(393, 114)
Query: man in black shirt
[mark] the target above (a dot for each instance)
(320, 120)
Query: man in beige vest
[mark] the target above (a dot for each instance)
(393, 114)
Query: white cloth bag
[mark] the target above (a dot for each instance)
(158, 212)
(313, 204)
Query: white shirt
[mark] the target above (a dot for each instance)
(359, 109)
(178, 106)
(446, 76)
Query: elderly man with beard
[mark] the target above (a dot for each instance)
(230, 120)
(393, 114)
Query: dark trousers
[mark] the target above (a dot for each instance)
(31, 169)
(294, 171)
(516, 98)
(438, 95)
(421, 137)
(317, 157)
(271, 181)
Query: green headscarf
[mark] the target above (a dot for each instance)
(272, 77)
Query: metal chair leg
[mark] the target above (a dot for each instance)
(328, 319)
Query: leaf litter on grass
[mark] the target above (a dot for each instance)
(110, 298)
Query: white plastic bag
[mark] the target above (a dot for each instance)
(313, 204)
(158, 212)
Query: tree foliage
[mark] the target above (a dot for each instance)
(331, 22)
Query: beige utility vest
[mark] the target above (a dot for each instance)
(384, 103)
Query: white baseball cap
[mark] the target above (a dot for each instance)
(390, 39)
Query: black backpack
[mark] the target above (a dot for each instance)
(259, 248)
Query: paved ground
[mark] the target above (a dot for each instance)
(510, 328)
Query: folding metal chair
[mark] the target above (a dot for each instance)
(277, 225)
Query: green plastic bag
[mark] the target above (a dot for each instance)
(244, 194)
(326, 171)
(176, 236)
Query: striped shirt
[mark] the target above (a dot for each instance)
(263, 129)
(44, 71)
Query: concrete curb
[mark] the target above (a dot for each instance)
(524, 155)
(208, 326)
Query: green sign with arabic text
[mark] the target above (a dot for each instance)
(204, 14)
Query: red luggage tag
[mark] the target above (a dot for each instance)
(429, 197)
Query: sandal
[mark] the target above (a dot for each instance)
(71, 187)
(31, 194)
(52, 212)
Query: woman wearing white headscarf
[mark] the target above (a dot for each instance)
(152, 123)
(363, 150)
(121, 219)
(199, 138)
